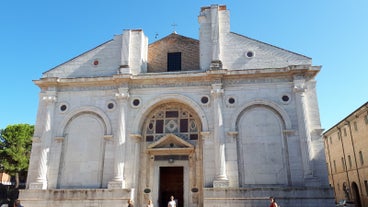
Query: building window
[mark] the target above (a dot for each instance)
(172, 119)
(366, 187)
(361, 157)
(343, 164)
(350, 163)
(330, 140)
(174, 61)
(334, 162)
(345, 132)
(366, 119)
(355, 126)
(338, 135)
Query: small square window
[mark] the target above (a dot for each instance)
(174, 61)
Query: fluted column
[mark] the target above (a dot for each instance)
(118, 181)
(221, 179)
(45, 142)
(299, 90)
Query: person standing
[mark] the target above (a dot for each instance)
(273, 202)
(130, 203)
(149, 204)
(17, 203)
(172, 202)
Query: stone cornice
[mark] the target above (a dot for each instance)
(178, 77)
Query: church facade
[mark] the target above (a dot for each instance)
(225, 120)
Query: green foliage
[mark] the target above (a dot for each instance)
(15, 147)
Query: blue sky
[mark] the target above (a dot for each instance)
(41, 34)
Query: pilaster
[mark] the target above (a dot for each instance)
(221, 179)
(49, 100)
(118, 182)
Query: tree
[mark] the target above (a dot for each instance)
(15, 149)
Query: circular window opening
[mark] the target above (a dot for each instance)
(285, 98)
(110, 105)
(136, 102)
(63, 107)
(204, 99)
(250, 54)
(231, 100)
(96, 62)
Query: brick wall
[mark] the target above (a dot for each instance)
(157, 53)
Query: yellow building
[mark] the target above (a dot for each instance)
(346, 149)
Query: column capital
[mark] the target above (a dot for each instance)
(36, 140)
(233, 134)
(299, 89)
(59, 139)
(108, 137)
(49, 98)
(136, 137)
(122, 96)
(205, 135)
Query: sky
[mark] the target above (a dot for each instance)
(38, 35)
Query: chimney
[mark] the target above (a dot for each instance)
(134, 49)
(214, 24)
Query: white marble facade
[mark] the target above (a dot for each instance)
(242, 126)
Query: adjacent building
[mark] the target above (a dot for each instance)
(224, 120)
(346, 148)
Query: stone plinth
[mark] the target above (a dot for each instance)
(75, 197)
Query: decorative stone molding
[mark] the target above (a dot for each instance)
(36, 140)
(137, 137)
(108, 137)
(205, 135)
(59, 139)
(233, 134)
(288, 132)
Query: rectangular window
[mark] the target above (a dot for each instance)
(159, 126)
(174, 61)
(355, 126)
(366, 119)
(172, 114)
(345, 132)
(183, 125)
(361, 157)
(366, 187)
(350, 163)
(343, 164)
(334, 162)
(330, 140)
(149, 138)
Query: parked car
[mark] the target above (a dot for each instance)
(345, 203)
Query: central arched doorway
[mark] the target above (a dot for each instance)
(172, 143)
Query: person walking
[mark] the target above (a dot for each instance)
(273, 202)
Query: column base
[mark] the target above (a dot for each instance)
(116, 185)
(38, 186)
(223, 183)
